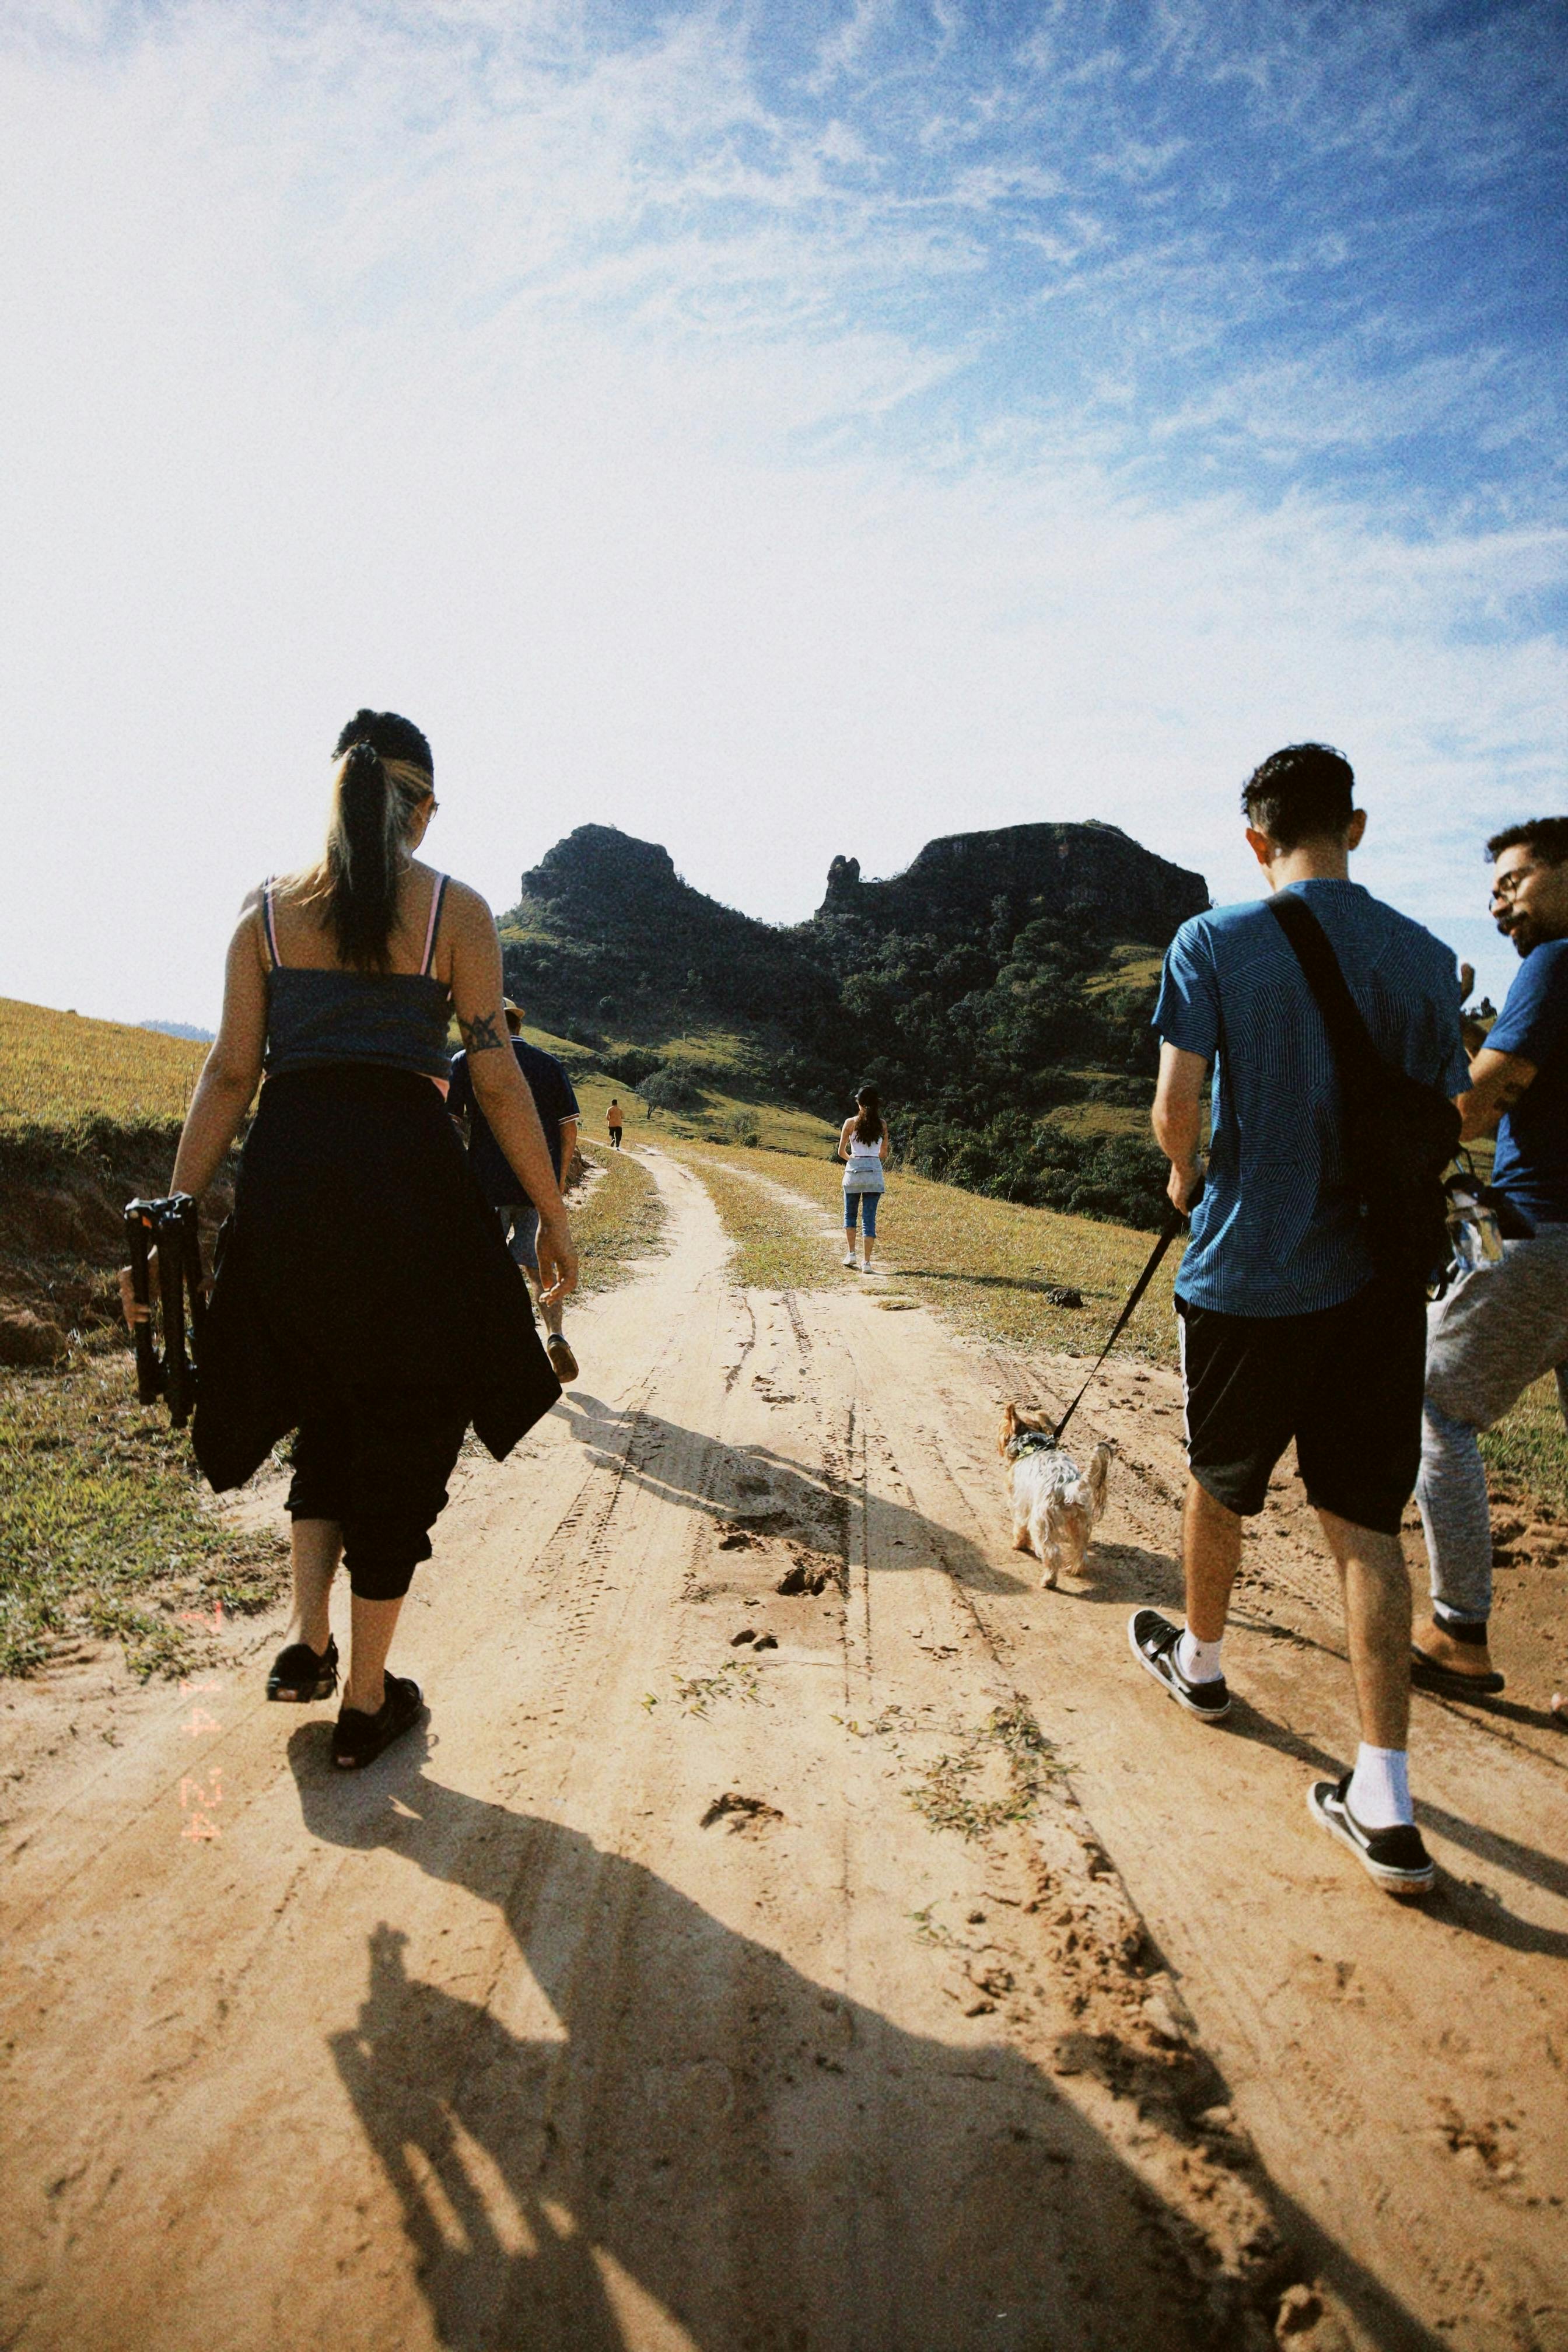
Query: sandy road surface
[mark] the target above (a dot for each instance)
(672, 1993)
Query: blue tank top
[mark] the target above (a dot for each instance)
(397, 1020)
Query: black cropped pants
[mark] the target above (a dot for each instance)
(379, 1466)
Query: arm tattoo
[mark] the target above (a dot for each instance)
(479, 1036)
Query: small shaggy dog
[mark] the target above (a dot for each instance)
(1056, 1505)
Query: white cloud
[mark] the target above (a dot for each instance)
(631, 432)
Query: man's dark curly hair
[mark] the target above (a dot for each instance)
(1546, 837)
(1304, 792)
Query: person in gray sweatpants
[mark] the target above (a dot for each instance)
(1503, 1326)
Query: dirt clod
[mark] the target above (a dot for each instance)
(1299, 2308)
(739, 1813)
(27, 1338)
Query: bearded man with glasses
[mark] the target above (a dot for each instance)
(1505, 1324)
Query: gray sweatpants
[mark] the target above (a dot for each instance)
(1500, 1327)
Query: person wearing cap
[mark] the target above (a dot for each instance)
(558, 1115)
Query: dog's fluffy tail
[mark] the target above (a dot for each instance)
(1090, 1487)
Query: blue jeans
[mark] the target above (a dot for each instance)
(868, 1202)
(520, 1231)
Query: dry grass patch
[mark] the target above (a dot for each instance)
(989, 1266)
(778, 1245)
(621, 1220)
(60, 1071)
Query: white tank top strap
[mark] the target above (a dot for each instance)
(270, 919)
(438, 898)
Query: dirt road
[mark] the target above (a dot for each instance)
(907, 1978)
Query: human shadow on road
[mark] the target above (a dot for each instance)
(755, 1490)
(696, 2137)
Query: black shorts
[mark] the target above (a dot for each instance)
(1345, 1384)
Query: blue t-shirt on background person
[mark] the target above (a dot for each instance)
(1530, 1168)
(553, 1100)
(1278, 1228)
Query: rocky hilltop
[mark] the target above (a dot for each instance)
(608, 942)
(1092, 873)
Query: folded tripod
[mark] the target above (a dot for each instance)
(170, 1228)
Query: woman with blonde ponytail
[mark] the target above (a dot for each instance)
(363, 1296)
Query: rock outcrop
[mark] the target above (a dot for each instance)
(1094, 874)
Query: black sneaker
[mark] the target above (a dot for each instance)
(358, 1738)
(1153, 1641)
(1395, 1858)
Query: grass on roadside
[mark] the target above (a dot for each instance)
(103, 1529)
(988, 1266)
(621, 1220)
(58, 1071)
(778, 1245)
(1528, 1448)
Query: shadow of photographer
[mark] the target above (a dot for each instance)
(700, 2147)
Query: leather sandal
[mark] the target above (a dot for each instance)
(1430, 1675)
(302, 1675)
(358, 1738)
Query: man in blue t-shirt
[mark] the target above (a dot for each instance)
(1503, 1325)
(1287, 1332)
(558, 1115)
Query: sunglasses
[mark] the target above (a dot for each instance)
(1505, 890)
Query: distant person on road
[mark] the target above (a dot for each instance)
(1288, 1329)
(364, 1298)
(1503, 1325)
(863, 1146)
(558, 1114)
(615, 1122)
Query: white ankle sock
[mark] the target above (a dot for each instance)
(1379, 1792)
(1199, 1660)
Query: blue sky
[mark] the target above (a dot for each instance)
(776, 431)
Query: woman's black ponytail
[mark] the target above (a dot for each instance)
(386, 772)
(869, 1124)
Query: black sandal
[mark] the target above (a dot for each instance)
(358, 1738)
(302, 1675)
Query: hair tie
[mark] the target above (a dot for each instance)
(364, 744)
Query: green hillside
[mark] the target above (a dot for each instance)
(998, 991)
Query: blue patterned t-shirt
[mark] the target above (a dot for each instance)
(1278, 1229)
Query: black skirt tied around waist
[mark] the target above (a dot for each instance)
(362, 1266)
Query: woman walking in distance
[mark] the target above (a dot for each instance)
(863, 1148)
(363, 1296)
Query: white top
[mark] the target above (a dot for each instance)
(863, 1168)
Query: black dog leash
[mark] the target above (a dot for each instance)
(1175, 1219)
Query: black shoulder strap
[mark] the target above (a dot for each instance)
(1348, 1033)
